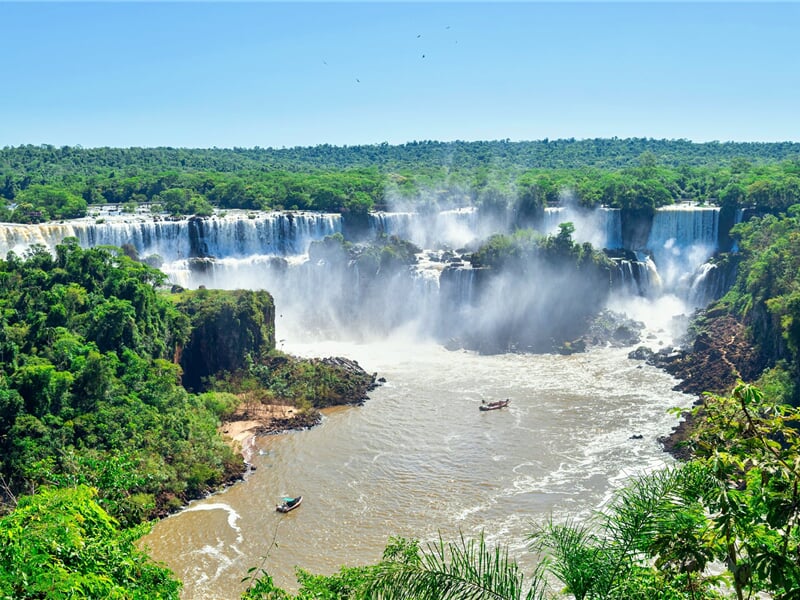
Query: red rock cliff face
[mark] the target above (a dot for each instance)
(227, 328)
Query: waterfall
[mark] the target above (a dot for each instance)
(699, 291)
(681, 239)
(636, 277)
(738, 219)
(452, 228)
(234, 233)
(712, 280)
(441, 294)
(392, 223)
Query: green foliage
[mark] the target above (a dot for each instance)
(62, 544)
(463, 570)
(45, 182)
(526, 248)
(239, 326)
(467, 569)
(751, 449)
(44, 202)
(88, 390)
(765, 295)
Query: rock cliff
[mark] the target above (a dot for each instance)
(229, 328)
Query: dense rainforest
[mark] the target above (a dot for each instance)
(39, 183)
(104, 424)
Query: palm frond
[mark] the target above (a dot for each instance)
(463, 570)
(572, 553)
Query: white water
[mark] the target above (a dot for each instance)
(681, 240)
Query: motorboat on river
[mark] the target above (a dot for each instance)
(289, 504)
(495, 405)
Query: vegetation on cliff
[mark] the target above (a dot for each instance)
(229, 329)
(89, 392)
(753, 332)
(766, 296)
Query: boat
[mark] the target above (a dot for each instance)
(288, 504)
(494, 405)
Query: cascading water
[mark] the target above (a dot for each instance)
(602, 227)
(681, 239)
(453, 228)
(232, 234)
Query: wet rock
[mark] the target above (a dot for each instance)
(614, 329)
(641, 353)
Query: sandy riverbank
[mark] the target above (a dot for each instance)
(240, 430)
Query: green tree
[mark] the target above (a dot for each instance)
(62, 544)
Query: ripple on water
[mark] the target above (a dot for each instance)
(419, 460)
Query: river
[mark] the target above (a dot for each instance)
(419, 460)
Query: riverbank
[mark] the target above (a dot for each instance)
(241, 428)
(719, 355)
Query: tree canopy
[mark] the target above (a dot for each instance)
(89, 392)
(40, 183)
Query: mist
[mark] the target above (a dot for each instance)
(366, 291)
(441, 298)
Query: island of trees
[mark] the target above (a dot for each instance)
(110, 408)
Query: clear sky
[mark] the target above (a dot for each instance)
(294, 74)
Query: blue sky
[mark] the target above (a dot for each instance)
(277, 74)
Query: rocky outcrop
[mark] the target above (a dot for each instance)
(720, 354)
(350, 383)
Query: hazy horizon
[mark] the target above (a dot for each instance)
(408, 142)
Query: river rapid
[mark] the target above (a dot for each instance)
(419, 459)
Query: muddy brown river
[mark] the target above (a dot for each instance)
(419, 460)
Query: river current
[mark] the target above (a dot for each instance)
(419, 459)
